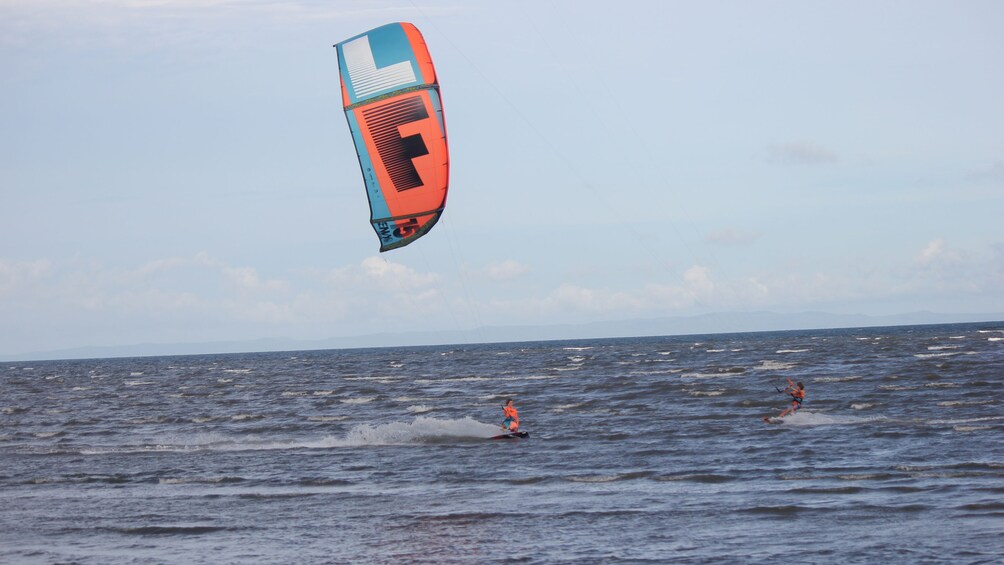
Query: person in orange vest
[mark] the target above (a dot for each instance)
(797, 396)
(511, 422)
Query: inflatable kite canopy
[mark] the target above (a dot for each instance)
(392, 103)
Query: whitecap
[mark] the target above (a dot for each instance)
(196, 480)
(971, 428)
(774, 366)
(951, 403)
(836, 379)
(421, 430)
(419, 409)
(661, 372)
(967, 420)
(706, 392)
(861, 406)
(792, 351)
(806, 418)
(360, 400)
(710, 375)
(593, 478)
(326, 418)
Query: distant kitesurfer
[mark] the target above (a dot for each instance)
(797, 393)
(511, 422)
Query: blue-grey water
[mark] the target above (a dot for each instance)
(641, 450)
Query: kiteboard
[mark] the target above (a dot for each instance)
(773, 420)
(513, 435)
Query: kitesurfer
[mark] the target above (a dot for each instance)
(511, 422)
(797, 393)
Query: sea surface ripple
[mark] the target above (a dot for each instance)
(642, 450)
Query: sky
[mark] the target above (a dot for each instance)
(182, 171)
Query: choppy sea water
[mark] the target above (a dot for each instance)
(641, 450)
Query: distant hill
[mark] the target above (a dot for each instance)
(724, 322)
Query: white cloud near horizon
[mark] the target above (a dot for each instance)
(732, 236)
(502, 271)
(936, 252)
(207, 298)
(800, 153)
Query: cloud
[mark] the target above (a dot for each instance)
(381, 274)
(153, 23)
(503, 271)
(732, 236)
(16, 274)
(246, 279)
(992, 174)
(936, 253)
(800, 153)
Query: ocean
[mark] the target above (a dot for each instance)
(641, 450)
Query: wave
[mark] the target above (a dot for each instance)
(421, 430)
(971, 428)
(199, 480)
(774, 366)
(361, 400)
(806, 418)
(836, 379)
(169, 530)
(608, 478)
(710, 478)
(706, 392)
(967, 420)
(951, 403)
(326, 418)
